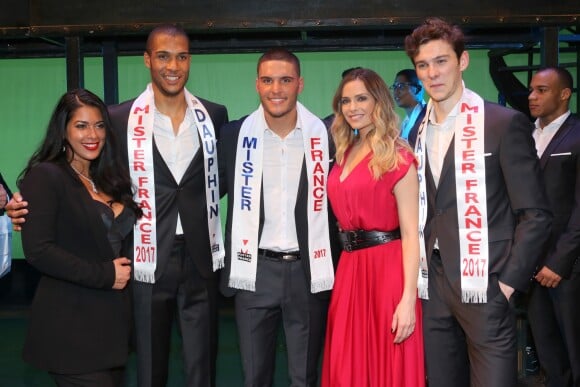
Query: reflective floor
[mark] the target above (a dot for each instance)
(15, 373)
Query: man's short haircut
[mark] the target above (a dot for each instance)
(165, 29)
(411, 76)
(434, 29)
(279, 53)
(563, 74)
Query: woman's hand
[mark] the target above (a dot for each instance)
(122, 272)
(403, 323)
(16, 211)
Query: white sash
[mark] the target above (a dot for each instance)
(471, 199)
(140, 148)
(422, 281)
(247, 199)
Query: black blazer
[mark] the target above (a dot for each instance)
(78, 323)
(187, 197)
(517, 209)
(227, 160)
(560, 165)
(413, 132)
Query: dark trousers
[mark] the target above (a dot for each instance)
(468, 344)
(107, 378)
(282, 294)
(554, 316)
(183, 294)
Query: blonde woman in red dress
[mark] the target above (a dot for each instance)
(374, 324)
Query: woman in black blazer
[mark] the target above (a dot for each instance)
(77, 234)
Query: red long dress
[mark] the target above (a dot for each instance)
(359, 349)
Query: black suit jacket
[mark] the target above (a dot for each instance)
(413, 133)
(517, 209)
(560, 165)
(227, 160)
(78, 323)
(187, 196)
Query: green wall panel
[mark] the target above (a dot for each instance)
(30, 89)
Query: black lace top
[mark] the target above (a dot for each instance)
(118, 227)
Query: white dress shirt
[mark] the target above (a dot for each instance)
(438, 138)
(544, 135)
(178, 149)
(282, 164)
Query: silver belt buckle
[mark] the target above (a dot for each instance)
(288, 257)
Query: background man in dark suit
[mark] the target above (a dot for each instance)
(553, 309)
(408, 94)
(184, 279)
(283, 273)
(469, 321)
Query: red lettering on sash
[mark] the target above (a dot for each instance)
(141, 109)
(471, 197)
(473, 248)
(143, 193)
(467, 167)
(474, 236)
(318, 168)
(317, 205)
(472, 210)
(139, 130)
(468, 155)
(316, 154)
(470, 183)
(314, 141)
(318, 192)
(139, 154)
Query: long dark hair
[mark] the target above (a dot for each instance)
(108, 172)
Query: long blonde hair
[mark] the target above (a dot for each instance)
(384, 138)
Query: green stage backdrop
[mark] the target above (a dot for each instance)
(29, 89)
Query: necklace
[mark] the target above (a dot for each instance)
(94, 187)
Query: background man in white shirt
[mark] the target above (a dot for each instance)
(553, 309)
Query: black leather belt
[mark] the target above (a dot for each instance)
(290, 256)
(360, 239)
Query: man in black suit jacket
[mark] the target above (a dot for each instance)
(184, 280)
(415, 129)
(553, 309)
(281, 287)
(476, 158)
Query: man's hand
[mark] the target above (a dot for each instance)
(548, 278)
(3, 196)
(16, 210)
(506, 290)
